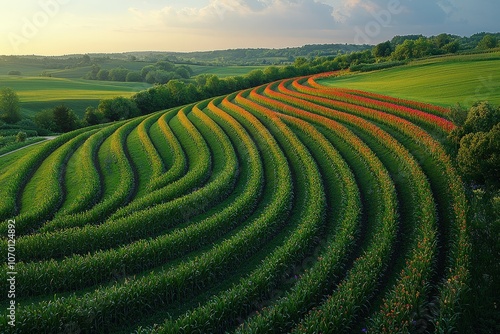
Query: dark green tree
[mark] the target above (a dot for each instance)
(134, 76)
(478, 137)
(479, 157)
(442, 39)
(165, 65)
(103, 75)
(118, 108)
(272, 73)
(488, 42)
(183, 72)
(65, 119)
(256, 77)
(45, 119)
(92, 116)
(118, 74)
(404, 51)
(383, 49)
(481, 117)
(145, 70)
(451, 47)
(10, 110)
(92, 75)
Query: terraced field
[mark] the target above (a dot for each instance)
(291, 207)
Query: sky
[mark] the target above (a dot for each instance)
(58, 27)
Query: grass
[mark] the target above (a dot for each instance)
(67, 87)
(442, 81)
(225, 71)
(37, 93)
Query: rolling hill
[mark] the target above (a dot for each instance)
(289, 207)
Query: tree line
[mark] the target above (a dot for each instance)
(159, 73)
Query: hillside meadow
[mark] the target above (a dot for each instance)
(442, 81)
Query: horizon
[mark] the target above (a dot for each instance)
(214, 50)
(64, 27)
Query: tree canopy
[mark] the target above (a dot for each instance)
(10, 110)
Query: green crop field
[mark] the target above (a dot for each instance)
(442, 81)
(289, 207)
(37, 93)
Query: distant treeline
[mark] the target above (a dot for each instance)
(161, 72)
(259, 56)
(418, 46)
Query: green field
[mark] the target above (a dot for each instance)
(66, 86)
(441, 81)
(281, 208)
(37, 93)
(225, 71)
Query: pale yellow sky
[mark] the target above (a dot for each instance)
(54, 27)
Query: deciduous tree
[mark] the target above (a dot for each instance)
(10, 110)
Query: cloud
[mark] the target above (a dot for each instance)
(273, 17)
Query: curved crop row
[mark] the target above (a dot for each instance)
(455, 283)
(53, 276)
(289, 207)
(430, 108)
(171, 285)
(88, 176)
(414, 115)
(224, 309)
(15, 179)
(200, 161)
(178, 157)
(370, 266)
(47, 187)
(282, 314)
(121, 195)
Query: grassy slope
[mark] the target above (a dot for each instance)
(37, 93)
(225, 71)
(441, 81)
(67, 86)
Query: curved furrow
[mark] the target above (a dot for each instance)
(166, 287)
(44, 193)
(410, 293)
(223, 310)
(15, 179)
(344, 214)
(83, 187)
(289, 207)
(344, 102)
(174, 157)
(199, 164)
(430, 108)
(78, 272)
(146, 158)
(341, 321)
(115, 232)
(125, 188)
(445, 182)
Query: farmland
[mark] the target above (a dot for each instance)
(443, 81)
(41, 88)
(289, 207)
(38, 93)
